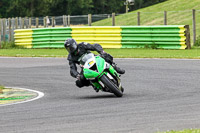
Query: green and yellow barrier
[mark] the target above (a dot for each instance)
(166, 37)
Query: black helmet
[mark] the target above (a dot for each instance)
(70, 45)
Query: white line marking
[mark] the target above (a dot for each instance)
(40, 95)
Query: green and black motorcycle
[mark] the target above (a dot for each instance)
(101, 74)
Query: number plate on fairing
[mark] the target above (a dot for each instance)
(90, 63)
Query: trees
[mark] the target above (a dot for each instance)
(28, 8)
(4, 4)
(108, 6)
(36, 8)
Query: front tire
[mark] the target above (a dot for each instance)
(113, 87)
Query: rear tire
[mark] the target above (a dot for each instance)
(113, 87)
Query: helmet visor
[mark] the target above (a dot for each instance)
(72, 48)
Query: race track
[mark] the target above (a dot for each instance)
(160, 95)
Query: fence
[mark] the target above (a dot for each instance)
(191, 17)
(166, 37)
(7, 26)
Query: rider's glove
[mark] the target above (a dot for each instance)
(103, 52)
(107, 57)
(79, 77)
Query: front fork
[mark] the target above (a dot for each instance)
(116, 76)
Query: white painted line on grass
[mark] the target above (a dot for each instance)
(40, 95)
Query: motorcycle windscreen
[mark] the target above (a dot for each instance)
(100, 62)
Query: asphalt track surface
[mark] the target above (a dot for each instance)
(160, 95)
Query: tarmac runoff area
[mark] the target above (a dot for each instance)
(14, 95)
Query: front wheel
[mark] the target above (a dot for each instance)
(113, 87)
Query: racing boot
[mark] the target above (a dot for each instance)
(97, 90)
(119, 70)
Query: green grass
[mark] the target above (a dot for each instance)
(33, 52)
(1, 88)
(184, 131)
(179, 13)
(117, 53)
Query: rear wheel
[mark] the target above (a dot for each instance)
(113, 87)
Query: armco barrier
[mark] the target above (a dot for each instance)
(166, 37)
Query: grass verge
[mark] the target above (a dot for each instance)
(193, 53)
(177, 14)
(1, 89)
(184, 131)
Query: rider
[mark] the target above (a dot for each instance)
(76, 51)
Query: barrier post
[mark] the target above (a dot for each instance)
(165, 17)
(53, 21)
(4, 29)
(187, 35)
(12, 27)
(45, 22)
(29, 23)
(22, 23)
(16, 23)
(64, 20)
(68, 20)
(194, 25)
(113, 19)
(37, 22)
(138, 18)
(89, 20)
(9, 29)
(26, 22)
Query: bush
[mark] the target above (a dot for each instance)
(197, 42)
(151, 46)
(9, 45)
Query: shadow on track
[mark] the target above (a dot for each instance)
(106, 96)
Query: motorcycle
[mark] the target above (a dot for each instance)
(101, 74)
